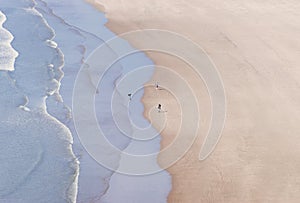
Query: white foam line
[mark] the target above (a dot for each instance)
(62, 139)
(7, 52)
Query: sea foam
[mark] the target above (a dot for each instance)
(53, 39)
(78, 35)
(7, 53)
(37, 162)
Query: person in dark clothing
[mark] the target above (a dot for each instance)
(159, 107)
(130, 96)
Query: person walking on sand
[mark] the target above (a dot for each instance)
(156, 85)
(130, 96)
(159, 107)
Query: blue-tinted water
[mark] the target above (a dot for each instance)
(53, 38)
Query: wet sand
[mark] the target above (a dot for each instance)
(256, 48)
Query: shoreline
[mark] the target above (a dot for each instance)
(258, 65)
(169, 101)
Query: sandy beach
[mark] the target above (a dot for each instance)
(256, 48)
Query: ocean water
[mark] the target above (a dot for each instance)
(37, 162)
(53, 39)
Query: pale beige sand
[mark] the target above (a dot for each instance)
(256, 47)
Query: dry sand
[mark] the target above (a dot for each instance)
(256, 47)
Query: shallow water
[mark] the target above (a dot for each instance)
(37, 162)
(54, 38)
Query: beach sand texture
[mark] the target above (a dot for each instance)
(256, 48)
